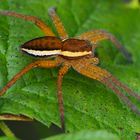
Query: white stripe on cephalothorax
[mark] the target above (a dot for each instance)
(75, 54)
(56, 52)
(42, 52)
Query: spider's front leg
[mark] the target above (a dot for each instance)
(103, 76)
(98, 35)
(58, 24)
(63, 70)
(39, 23)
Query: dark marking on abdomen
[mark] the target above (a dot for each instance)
(43, 43)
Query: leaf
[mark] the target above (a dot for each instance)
(88, 104)
(7, 138)
(86, 135)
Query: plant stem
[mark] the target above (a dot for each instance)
(6, 130)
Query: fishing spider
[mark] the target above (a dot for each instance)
(76, 53)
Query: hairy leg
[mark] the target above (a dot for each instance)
(39, 63)
(58, 24)
(124, 87)
(63, 70)
(92, 60)
(97, 35)
(47, 31)
(110, 81)
(44, 64)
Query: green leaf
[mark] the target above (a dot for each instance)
(88, 104)
(7, 138)
(86, 135)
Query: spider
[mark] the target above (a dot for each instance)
(76, 53)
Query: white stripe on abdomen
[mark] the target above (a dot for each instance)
(42, 53)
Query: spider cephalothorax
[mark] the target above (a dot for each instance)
(70, 52)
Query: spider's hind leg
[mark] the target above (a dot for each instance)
(112, 85)
(110, 81)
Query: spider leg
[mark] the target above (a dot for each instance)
(110, 81)
(58, 24)
(93, 60)
(98, 35)
(63, 70)
(124, 98)
(124, 87)
(39, 63)
(47, 31)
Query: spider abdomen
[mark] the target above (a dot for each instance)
(43, 46)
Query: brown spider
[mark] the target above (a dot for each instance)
(68, 52)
